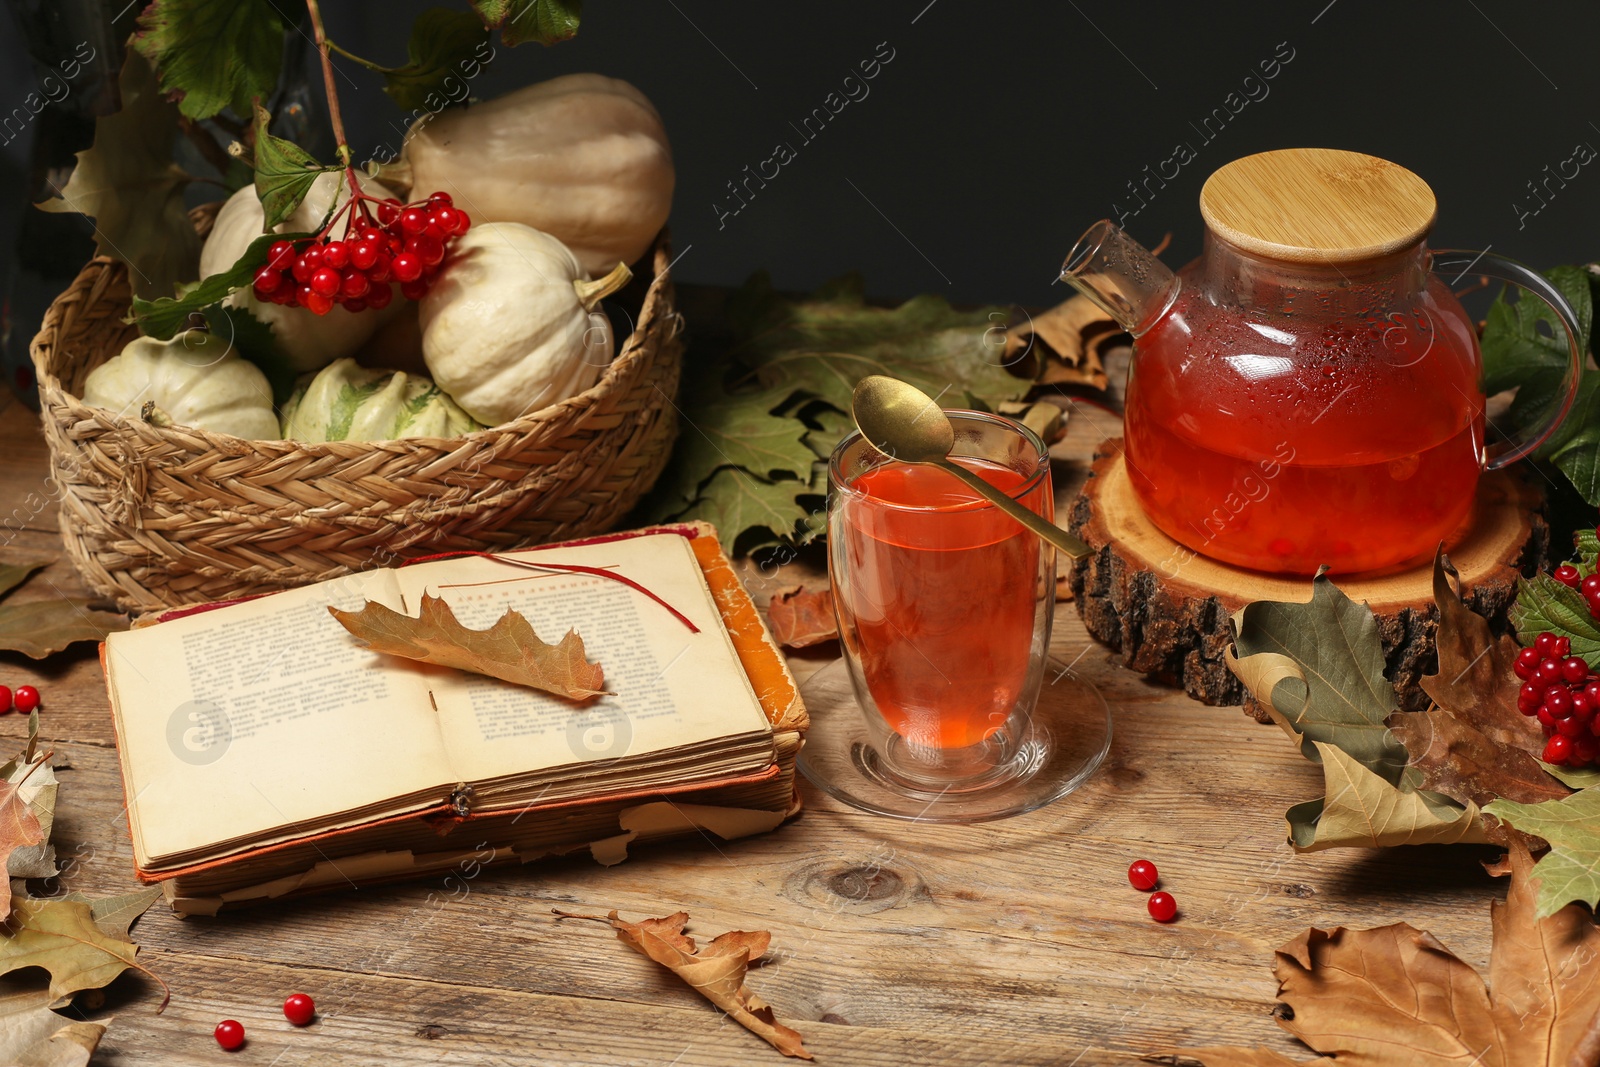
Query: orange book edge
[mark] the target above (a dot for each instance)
(758, 653)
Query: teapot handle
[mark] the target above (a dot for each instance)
(1452, 265)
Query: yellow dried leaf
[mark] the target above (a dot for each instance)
(508, 650)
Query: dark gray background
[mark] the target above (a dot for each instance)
(1000, 130)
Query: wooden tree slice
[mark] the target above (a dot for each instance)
(1166, 609)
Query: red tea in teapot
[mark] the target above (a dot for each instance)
(1300, 453)
(1308, 392)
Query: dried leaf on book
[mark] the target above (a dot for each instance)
(31, 1035)
(716, 972)
(1396, 996)
(508, 650)
(800, 618)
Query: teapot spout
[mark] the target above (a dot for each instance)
(1120, 275)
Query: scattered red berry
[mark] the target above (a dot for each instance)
(1567, 575)
(1142, 874)
(299, 1009)
(229, 1034)
(5, 700)
(27, 698)
(1163, 909)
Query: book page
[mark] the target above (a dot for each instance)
(672, 687)
(245, 719)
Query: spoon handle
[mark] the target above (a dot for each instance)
(1043, 527)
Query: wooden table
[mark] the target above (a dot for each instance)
(1015, 942)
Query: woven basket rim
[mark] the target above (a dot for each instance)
(529, 423)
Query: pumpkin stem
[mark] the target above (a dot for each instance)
(591, 293)
(154, 415)
(396, 175)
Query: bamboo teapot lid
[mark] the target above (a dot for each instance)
(1317, 205)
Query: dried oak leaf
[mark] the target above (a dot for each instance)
(800, 618)
(63, 937)
(508, 650)
(1067, 341)
(31, 1035)
(1395, 995)
(716, 972)
(1474, 746)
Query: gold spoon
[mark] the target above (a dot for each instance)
(903, 422)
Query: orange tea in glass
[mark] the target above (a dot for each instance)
(944, 602)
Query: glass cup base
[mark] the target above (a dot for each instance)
(1063, 744)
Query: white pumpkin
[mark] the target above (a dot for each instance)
(195, 379)
(309, 341)
(510, 325)
(346, 402)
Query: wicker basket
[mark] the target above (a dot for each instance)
(158, 517)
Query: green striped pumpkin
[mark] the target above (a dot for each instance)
(347, 402)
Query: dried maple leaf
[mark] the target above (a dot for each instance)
(801, 619)
(62, 937)
(1474, 746)
(1395, 995)
(31, 1035)
(508, 650)
(716, 972)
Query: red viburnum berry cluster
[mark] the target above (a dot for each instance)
(1559, 688)
(384, 241)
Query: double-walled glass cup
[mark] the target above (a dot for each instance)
(944, 606)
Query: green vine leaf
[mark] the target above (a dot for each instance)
(214, 54)
(520, 21)
(1571, 869)
(163, 319)
(443, 42)
(1545, 605)
(285, 172)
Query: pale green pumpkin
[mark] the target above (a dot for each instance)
(348, 402)
(195, 379)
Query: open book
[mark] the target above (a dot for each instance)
(249, 731)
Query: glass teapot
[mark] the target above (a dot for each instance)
(1308, 391)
